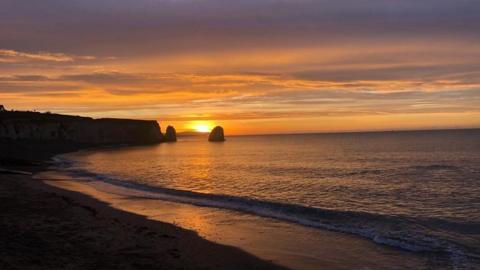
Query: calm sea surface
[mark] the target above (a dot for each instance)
(418, 191)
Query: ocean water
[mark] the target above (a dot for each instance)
(416, 191)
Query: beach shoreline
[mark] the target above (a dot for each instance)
(287, 244)
(45, 227)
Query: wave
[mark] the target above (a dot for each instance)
(434, 167)
(397, 231)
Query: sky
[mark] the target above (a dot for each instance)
(252, 66)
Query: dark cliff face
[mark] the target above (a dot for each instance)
(44, 126)
(217, 135)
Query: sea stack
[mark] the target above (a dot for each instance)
(216, 135)
(170, 134)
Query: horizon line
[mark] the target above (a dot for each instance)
(355, 131)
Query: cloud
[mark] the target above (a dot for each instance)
(105, 77)
(12, 56)
(240, 86)
(23, 78)
(164, 27)
(27, 88)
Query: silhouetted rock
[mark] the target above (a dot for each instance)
(170, 134)
(216, 135)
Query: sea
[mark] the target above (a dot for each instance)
(413, 191)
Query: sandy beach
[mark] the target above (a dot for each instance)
(44, 227)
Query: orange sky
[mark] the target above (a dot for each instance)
(277, 69)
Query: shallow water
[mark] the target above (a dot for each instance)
(417, 191)
(287, 244)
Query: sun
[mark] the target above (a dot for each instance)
(201, 128)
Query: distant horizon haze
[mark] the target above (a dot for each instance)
(204, 127)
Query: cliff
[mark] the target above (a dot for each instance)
(55, 127)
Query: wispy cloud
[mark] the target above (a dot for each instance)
(12, 56)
